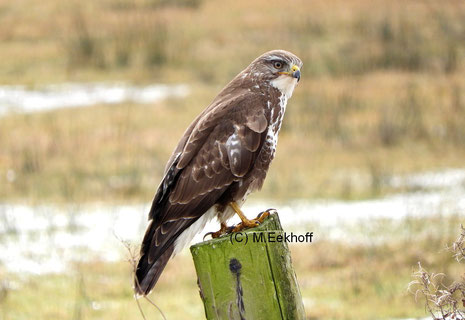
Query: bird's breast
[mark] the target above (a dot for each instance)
(277, 111)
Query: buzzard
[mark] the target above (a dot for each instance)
(223, 156)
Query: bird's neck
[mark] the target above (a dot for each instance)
(285, 85)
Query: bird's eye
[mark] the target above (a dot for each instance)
(277, 64)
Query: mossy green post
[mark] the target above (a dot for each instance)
(242, 277)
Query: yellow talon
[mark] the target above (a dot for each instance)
(246, 223)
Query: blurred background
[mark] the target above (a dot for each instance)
(94, 96)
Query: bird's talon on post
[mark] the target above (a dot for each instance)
(263, 215)
(223, 230)
(214, 235)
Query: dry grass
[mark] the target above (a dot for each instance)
(382, 92)
(441, 299)
(144, 39)
(337, 135)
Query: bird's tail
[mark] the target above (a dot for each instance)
(147, 274)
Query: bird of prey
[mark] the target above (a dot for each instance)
(223, 156)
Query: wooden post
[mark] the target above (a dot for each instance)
(248, 275)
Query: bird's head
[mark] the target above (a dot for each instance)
(280, 68)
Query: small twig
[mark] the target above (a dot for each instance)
(133, 262)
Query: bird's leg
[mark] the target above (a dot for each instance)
(223, 230)
(246, 223)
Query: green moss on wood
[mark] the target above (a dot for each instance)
(239, 269)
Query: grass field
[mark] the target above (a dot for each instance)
(335, 142)
(382, 91)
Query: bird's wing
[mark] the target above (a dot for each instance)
(220, 149)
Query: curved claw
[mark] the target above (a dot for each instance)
(224, 229)
(259, 215)
(271, 210)
(208, 234)
(265, 214)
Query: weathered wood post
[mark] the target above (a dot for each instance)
(248, 275)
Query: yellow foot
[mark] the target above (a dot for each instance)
(246, 223)
(265, 214)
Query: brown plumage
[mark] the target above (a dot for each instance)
(222, 157)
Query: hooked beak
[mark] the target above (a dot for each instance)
(296, 72)
(293, 72)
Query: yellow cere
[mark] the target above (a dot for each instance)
(293, 69)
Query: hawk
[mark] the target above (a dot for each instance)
(223, 156)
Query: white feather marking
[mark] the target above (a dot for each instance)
(233, 152)
(219, 149)
(187, 235)
(285, 84)
(233, 145)
(275, 126)
(274, 58)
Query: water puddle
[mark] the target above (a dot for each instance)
(68, 95)
(43, 239)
